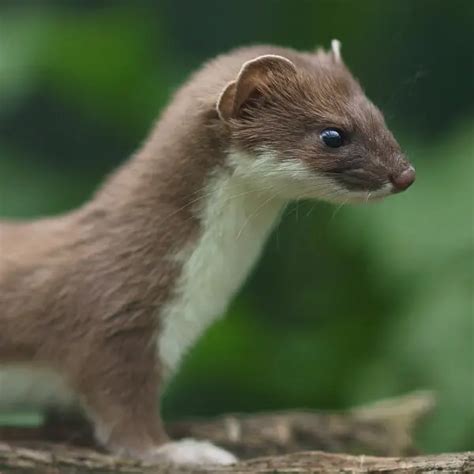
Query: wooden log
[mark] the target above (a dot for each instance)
(384, 428)
(67, 460)
(289, 442)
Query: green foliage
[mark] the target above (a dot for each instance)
(347, 305)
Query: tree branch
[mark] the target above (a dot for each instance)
(383, 429)
(67, 460)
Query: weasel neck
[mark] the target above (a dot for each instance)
(235, 220)
(193, 225)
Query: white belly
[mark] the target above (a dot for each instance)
(23, 387)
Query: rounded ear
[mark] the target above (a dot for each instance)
(255, 75)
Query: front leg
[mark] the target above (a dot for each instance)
(118, 387)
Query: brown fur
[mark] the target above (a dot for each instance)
(81, 292)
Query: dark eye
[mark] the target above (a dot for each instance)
(332, 137)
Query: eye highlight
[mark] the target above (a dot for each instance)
(332, 137)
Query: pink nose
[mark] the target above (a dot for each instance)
(403, 180)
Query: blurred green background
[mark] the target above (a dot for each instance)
(347, 305)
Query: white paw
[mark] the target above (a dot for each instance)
(191, 451)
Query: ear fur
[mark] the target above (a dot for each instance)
(336, 50)
(253, 75)
(334, 54)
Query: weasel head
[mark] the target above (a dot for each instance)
(302, 127)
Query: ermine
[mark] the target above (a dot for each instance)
(98, 306)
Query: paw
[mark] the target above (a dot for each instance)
(191, 451)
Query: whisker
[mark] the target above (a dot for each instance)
(210, 194)
(253, 214)
(311, 209)
(338, 208)
(293, 210)
(263, 190)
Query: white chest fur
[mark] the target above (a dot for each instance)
(236, 221)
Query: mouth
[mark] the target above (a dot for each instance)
(366, 192)
(359, 186)
(384, 191)
(351, 196)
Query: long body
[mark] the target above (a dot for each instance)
(98, 306)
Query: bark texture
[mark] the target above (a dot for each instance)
(375, 438)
